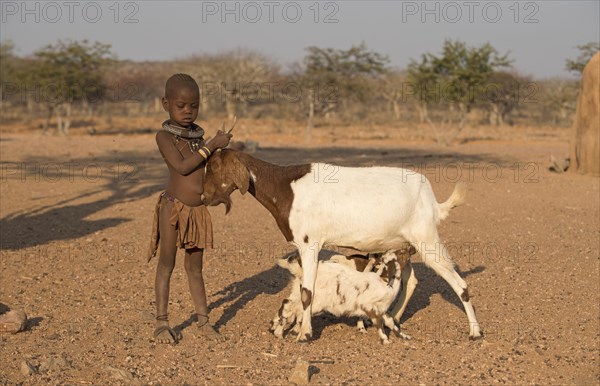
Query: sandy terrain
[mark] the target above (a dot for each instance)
(75, 217)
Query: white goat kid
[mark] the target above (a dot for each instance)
(342, 291)
(373, 263)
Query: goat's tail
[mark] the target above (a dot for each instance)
(458, 197)
(291, 262)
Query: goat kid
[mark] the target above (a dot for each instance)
(372, 262)
(342, 291)
(370, 209)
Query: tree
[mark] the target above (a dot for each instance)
(7, 60)
(454, 80)
(9, 71)
(137, 86)
(557, 99)
(232, 78)
(421, 79)
(503, 94)
(392, 90)
(333, 77)
(69, 72)
(586, 51)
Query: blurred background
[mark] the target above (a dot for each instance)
(432, 69)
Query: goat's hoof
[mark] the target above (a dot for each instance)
(303, 338)
(404, 336)
(385, 341)
(475, 337)
(401, 335)
(362, 330)
(278, 334)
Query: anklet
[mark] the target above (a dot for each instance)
(203, 324)
(163, 318)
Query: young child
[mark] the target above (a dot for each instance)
(180, 218)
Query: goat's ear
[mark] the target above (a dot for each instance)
(241, 176)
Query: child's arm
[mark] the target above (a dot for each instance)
(186, 165)
(220, 141)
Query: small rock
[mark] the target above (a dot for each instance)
(47, 364)
(539, 351)
(300, 375)
(28, 369)
(559, 165)
(13, 321)
(54, 364)
(119, 374)
(147, 315)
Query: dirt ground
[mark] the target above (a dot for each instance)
(75, 217)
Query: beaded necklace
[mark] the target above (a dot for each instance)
(192, 135)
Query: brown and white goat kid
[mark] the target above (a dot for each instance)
(342, 291)
(371, 209)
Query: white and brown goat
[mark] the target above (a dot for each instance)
(371, 209)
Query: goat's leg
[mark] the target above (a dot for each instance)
(378, 320)
(309, 255)
(297, 318)
(380, 268)
(296, 329)
(409, 283)
(370, 265)
(278, 323)
(435, 255)
(361, 326)
(388, 321)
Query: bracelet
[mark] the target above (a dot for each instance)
(204, 152)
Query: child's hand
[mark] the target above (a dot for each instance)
(220, 140)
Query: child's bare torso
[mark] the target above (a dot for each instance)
(186, 188)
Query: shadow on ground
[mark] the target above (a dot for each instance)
(430, 284)
(274, 280)
(64, 219)
(126, 177)
(236, 295)
(350, 156)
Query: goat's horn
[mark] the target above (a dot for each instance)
(233, 125)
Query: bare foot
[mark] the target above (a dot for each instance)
(165, 335)
(207, 330)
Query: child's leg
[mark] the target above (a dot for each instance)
(166, 262)
(193, 267)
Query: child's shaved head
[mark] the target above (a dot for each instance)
(179, 81)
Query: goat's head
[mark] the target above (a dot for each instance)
(224, 174)
(390, 259)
